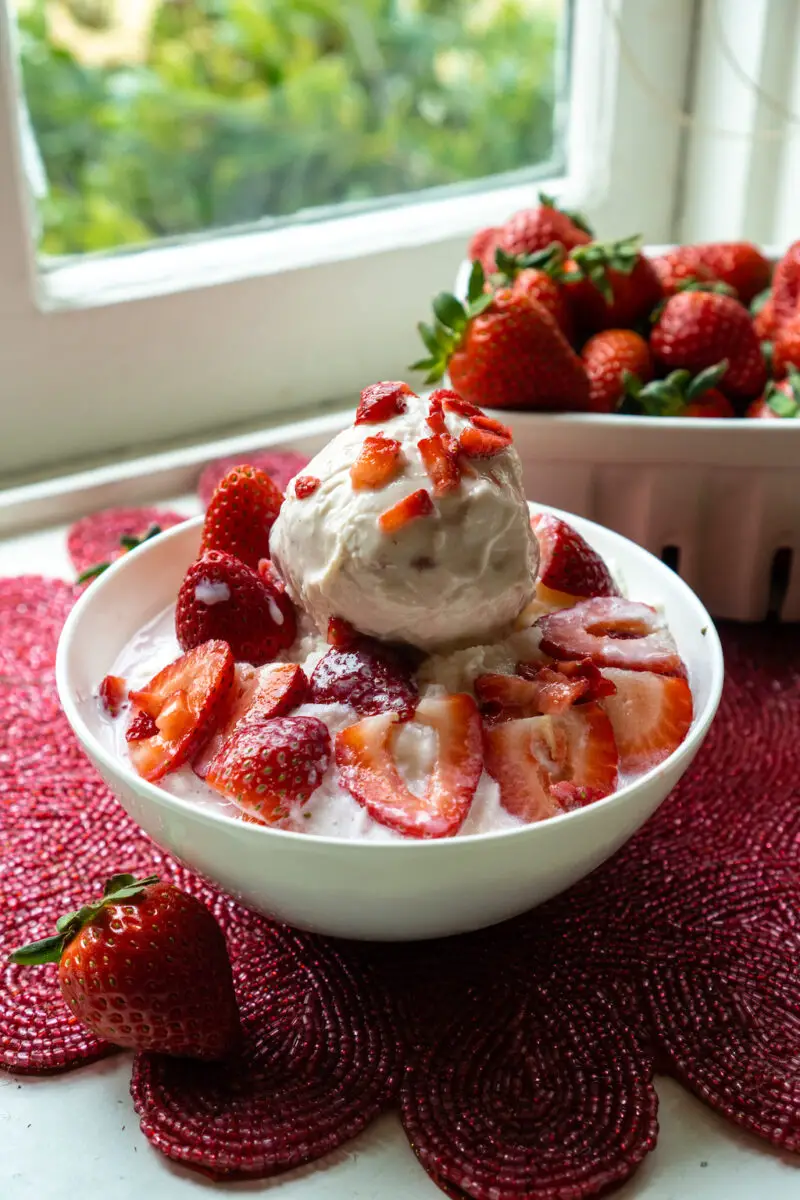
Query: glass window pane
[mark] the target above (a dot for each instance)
(162, 118)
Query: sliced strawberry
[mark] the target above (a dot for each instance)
(651, 715)
(305, 486)
(504, 697)
(558, 676)
(481, 443)
(529, 756)
(341, 633)
(179, 709)
(612, 632)
(368, 676)
(481, 421)
(572, 796)
(112, 691)
(441, 462)
(382, 401)
(452, 402)
(418, 504)
(368, 770)
(567, 563)
(256, 695)
(377, 464)
(265, 767)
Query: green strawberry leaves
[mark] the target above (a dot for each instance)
(509, 266)
(668, 397)
(593, 262)
(443, 337)
(782, 403)
(578, 219)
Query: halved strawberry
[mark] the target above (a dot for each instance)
(377, 464)
(612, 632)
(112, 692)
(265, 767)
(651, 715)
(179, 709)
(256, 695)
(382, 401)
(418, 504)
(440, 460)
(367, 675)
(529, 756)
(368, 770)
(567, 563)
(305, 486)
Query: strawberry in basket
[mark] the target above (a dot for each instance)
(611, 285)
(528, 231)
(780, 400)
(680, 395)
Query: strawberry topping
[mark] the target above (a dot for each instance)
(382, 401)
(567, 563)
(368, 676)
(538, 689)
(264, 767)
(651, 715)
(452, 402)
(179, 709)
(418, 504)
(440, 459)
(367, 768)
(377, 464)
(305, 486)
(482, 443)
(612, 632)
(112, 692)
(341, 633)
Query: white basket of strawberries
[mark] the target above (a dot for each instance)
(602, 353)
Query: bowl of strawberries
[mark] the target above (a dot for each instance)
(645, 387)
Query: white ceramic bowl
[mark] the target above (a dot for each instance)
(394, 891)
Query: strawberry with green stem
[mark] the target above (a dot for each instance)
(679, 395)
(781, 401)
(539, 275)
(611, 285)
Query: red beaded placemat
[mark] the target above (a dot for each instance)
(520, 1058)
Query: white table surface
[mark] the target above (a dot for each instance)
(76, 1137)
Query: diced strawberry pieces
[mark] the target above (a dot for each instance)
(378, 463)
(452, 402)
(505, 697)
(266, 767)
(256, 695)
(567, 563)
(481, 443)
(368, 676)
(112, 692)
(418, 504)
(612, 632)
(186, 701)
(481, 421)
(583, 680)
(305, 486)
(435, 419)
(382, 401)
(341, 633)
(441, 463)
(651, 715)
(367, 768)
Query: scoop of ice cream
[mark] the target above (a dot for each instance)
(459, 571)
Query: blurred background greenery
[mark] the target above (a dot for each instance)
(159, 118)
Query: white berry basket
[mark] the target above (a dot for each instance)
(719, 500)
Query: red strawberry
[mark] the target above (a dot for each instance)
(256, 695)
(534, 229)
(607, 357)
(527, 757)
(241, 514)
(540, 277)
(680, 266)
(739, 264)
(503, 350)
(482, 246)
(698, 329)
(368, 770)
(612, 632)
(179, 709)
(483, 438)
(786, 347)
(780, 400)
(220, 597)
(382, 401)
(616, 286)
(786, 286)
(378, 462)
(410, 508)
(305, 486)
(532, 692)
(145, 967)
(341, 633)
(440, 460)
(650, 714)
(368, 676)
(762, 310)
(266, 767)
(567, 563)
(280, 465)
(680, 395)
(565, 683)
(112, 694)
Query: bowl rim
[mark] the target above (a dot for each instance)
(118, 768)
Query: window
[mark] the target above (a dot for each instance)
(158, 283)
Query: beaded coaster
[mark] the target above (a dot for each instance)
(521, 1057)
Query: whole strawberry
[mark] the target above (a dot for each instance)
(611, 285)
(538, 276)
(680, 266)
(739, 264)
(786, 286)
(482, 247)
(780, 401)
(241, 514)
(534, 229)
(608, 357)
(503, 350)
(146, 967)
(697, 329)
(762, 310)
(680, 395)
(223, 599)
(786, 346)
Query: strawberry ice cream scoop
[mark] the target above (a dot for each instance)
(411, 524)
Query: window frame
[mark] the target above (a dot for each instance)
(124, 354)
